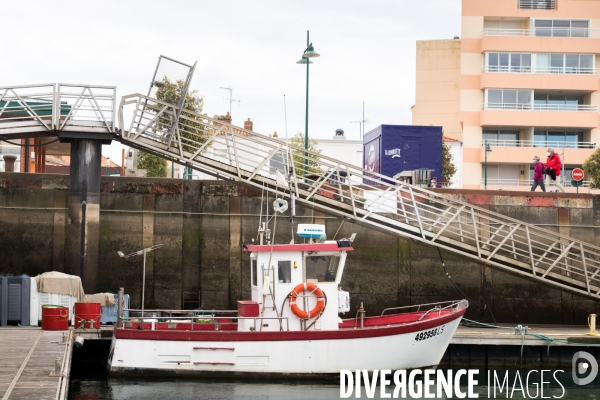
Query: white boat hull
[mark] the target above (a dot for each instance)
(152, 352)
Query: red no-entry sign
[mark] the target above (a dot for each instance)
(577, 174)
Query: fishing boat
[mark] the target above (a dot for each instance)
(291, 326)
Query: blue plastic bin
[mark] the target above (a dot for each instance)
(109, 314)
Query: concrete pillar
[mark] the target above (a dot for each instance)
(84, 212)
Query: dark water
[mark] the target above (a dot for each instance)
(101, 387)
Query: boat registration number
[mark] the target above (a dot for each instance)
(429, 334)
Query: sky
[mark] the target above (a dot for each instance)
(367, 54)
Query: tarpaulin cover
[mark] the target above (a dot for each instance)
(57, 282)
(105, 299)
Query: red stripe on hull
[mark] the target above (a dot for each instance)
(235, 336)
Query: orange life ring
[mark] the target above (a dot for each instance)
(308, 286)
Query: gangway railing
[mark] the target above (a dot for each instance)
(360, 195)
(46, 109)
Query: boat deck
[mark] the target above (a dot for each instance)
(27, 363)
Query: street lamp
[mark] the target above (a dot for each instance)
(487, 151)
(107, 166)
(308, 53)
(137, 253)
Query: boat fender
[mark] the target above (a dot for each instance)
(79, 342)
(317, 310)
(266, 284)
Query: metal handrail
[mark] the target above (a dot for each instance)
(539, 70)
(526, 182)
(537, 4)
(363, 196)
(543, 32)
(39, 109)
(210, 318)
(540, 107)
(450, 303)
(538, 143)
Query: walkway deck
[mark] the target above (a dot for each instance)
(495, 336)
(27, 363)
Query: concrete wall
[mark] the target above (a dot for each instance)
(203, 224)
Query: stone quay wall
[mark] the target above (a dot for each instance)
(203, 224)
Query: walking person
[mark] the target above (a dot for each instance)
(538, 175)
(553, 165)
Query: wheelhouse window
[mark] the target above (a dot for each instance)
(321, 268)
(253, 272)
(284, 271)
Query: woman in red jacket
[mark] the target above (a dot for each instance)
(553, 165)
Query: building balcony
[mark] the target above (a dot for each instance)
(540, 70)
(520, 40)
(544, 32)
(537, 4)
(548, 115)
(544, 144)
(582, 82)
(540, 107)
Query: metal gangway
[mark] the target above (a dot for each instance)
(323, 183)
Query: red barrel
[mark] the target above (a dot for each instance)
(87, 315)
(55, 318)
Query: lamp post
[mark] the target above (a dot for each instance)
(107, 166)
(137, 253)
(487, 151)
(308, 53)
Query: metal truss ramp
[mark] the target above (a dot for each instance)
(328, 185)
(360, 196)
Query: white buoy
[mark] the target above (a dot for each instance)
(79, 342)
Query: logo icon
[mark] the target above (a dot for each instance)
(584, 363)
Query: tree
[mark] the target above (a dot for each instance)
(448, 168)
(591, 167)
(314, 166)
(155, 166)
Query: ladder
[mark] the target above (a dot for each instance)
(359, 195)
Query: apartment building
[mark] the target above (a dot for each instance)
(521, 78)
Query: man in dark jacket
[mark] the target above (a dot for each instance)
(538, 174)
(553, 165)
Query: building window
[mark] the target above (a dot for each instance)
(564, 64)
(508, 62)
(557, 102)
(501, 138)
(561, 28)
(558, 139)
(508, 99)
(537, 4)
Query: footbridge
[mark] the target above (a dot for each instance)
(328, 185)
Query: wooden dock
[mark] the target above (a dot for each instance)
(27, 363)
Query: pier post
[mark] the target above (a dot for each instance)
(84, 212)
